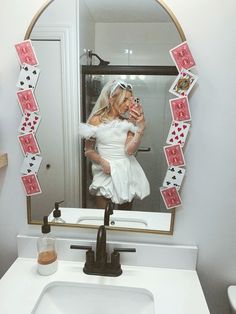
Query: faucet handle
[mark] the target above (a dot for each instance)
(115, 257)
(125, 250)
(89, 255)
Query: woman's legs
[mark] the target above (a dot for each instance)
(101, 201)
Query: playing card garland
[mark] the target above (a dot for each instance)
(26, 84)
(180, 125)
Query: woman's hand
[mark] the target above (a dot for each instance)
(105, 166)
(137, 117)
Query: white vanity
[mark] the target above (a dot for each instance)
(158, 279)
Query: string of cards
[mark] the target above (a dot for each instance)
(26, 84)
(180, 125)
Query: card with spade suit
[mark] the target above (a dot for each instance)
(178, 133)
(180, 110)
(31, 164)
(27, 100)
(171, 197)
(26, 53)
(183, 83)
(28, 77)
(31, 184)
(29, 122)
(174, 177)
(29, 144)
(182, 57)
(174, 155)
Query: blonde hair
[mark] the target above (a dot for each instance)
(113, 90)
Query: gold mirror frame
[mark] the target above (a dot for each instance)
(172, 211)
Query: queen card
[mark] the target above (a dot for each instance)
(178, 133)
(171, 197)
(174, 155)
(180, 109)
(31, 184)
(26, 53)
(174, 177)
(183, 83)
(182, 57)
(27, 101)
(29, 144)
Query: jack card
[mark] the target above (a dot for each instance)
(174, 177)
(180, 110)
(29, 123)
(27, 101)
(171, 197)
(183, 83)
(182, 57)
(31, 184)
(28, 77)
(26, 53)
(178, 133)
(29, 144)
(174, 155)
(31, 164)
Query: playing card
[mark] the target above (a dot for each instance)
(31, 184)
(180, 109)
(171, 197)
(27, 101)
(178, 133)
(182, 57)
(28, 77)
(29, 144)
(29, 123)
(183, 83)
(26, 53)
(174, 155)
(174, 177)
(31, 164)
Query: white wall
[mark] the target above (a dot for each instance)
(149, 42)
(208, 215)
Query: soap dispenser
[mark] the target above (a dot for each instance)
(47, 256)
(57, 214)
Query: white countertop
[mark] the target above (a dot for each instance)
(175, 291)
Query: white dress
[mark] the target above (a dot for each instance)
(127, 179)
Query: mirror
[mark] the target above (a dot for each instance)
(135, 37)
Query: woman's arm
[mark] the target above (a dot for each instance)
(134, 139)
(91, 152)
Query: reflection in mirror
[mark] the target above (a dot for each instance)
(140, 35)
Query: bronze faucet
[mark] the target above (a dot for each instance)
(108, 212)
(100, 266)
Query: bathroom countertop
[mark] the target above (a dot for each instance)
(175, 291)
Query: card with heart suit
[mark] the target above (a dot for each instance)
(27, 101)
(180, 110)
(171, 197)
(29, 144)
(182, 57)
(29, 123)
(31, 164)
(28, 77)
(174, 155)
(174, 177)
(178, 133)
(31, 184)
(183, 83)
(26, 53)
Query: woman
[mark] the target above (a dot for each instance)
(111, 141)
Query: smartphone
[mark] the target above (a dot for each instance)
(136, 104)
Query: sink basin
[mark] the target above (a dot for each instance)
(73, 298)
(114, 222)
